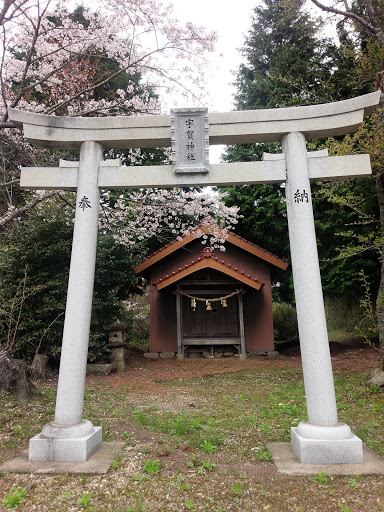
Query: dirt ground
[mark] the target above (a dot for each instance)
(347, 358)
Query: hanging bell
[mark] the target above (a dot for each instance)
(209, 307)
(224, 303)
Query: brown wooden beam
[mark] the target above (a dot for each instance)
(208, 263)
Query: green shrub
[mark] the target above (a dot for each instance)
(284, 321)
(346, 318)
(34, 266)
(152, 467)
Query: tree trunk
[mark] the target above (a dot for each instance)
(15, 377)
(380, 294)
(38, 367)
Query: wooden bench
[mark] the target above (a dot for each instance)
(210, 342)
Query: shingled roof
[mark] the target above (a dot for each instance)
(208, 260)
(206, 230)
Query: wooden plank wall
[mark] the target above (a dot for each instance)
(258, 322)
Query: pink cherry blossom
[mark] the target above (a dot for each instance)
(53, 64)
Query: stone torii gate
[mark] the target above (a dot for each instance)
(321, 439)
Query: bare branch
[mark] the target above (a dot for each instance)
(103, 81)
(373, 19)
(9, 183)
(28, 60)
(10, 10)
(8, 124)
(20, 211)
(65, 201)
(347, 14)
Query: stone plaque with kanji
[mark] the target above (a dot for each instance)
(190, 142)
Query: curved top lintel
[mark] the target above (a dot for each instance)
(244, 126)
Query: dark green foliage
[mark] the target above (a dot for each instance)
(43, 247)
(264, 223)
(42, 251)
(35, 251)
(339, 230)
(284, 321)
(287, 61)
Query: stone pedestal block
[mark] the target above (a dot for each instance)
(100, 369)
(327, 444)
(38, 366)
(65, 444)
(167, 355)
(118, 357)
(151, 355)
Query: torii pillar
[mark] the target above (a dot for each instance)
(321, 439)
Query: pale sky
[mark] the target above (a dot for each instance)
(232, 21)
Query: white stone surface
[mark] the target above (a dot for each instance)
(326, 451)
(49, 178)
(69, 438)
(270, 170)
(190, 140)
(73, 362)
(72, 449)
(54, 431)
(321, 440)
(312, 431)
(316, 359)
(163, 175)
(247, 126)
(287, 463)
(338, 167)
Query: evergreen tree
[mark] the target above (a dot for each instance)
(289, 62)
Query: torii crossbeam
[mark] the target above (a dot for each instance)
(321, 439)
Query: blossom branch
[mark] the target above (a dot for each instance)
(18, 212)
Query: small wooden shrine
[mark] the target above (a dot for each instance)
(205, 298)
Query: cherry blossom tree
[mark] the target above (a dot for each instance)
(165, 215)
(44, 47)
(117, 58)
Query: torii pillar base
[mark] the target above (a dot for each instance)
(317, 444)
(65, 444)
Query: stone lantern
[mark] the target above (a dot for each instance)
(117, 343)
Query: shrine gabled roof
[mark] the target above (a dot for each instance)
(208, 260)
(201, 230)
